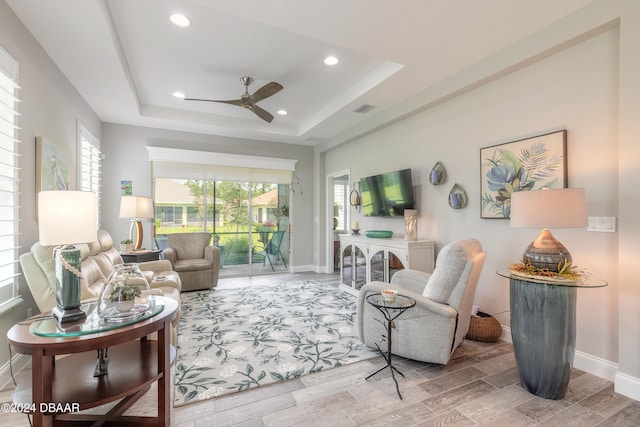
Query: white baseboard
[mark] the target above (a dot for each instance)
(585, 362)
(627, 385)
(304, 268)
(595, 365)
(18, 362)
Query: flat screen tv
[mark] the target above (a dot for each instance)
(387, 194)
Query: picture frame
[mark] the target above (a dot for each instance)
(521, 165)
(52, 167)
(126, 188)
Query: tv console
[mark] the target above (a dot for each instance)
(365, 259)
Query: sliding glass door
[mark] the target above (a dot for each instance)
(248, 221)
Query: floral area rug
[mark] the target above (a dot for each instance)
(230, 340)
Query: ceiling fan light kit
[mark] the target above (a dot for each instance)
(248, 100)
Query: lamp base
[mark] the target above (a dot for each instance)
(65, 315)
(546, 252)
(138, 226)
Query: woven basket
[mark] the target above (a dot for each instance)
(484, 327)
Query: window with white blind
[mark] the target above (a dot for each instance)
(9, 190)
(89, 165)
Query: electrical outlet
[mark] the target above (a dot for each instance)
(29, 312)
(605, 224)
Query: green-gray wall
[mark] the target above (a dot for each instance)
(576, 75)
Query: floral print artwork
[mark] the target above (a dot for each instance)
(230, 340)
(530, 164)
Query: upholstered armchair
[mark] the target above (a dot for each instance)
(432, 329)
(194, 259)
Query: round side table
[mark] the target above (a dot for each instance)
(390, 310)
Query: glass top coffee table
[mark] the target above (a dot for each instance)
(390, 310)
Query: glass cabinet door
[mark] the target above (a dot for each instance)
(384, 264)
(395, 264)
(378, 266)
(354, 267)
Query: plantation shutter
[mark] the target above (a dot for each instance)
(9, 190)
(90, 166)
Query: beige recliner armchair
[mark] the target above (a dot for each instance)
(432, 329)
(194, 259)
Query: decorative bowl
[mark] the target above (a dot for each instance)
(388, 295)
(379, 234)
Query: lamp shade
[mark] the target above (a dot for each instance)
(559, 208)
(136, 207)
(67, 217)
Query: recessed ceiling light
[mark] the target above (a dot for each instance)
(282, 112)
(179, 95)
(180, 20)
(331, 60)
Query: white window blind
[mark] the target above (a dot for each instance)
(90, 165)
(175, 163)
(9, 190)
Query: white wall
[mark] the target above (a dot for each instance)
(127, 159)
(50, 108)
(571, 81)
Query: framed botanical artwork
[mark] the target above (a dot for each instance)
(52, 166)
(526, 164)
(126, 188)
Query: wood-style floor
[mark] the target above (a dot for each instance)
(479, 386)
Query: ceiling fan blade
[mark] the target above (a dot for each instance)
(238, 102)
(262, 113)
(265, 91)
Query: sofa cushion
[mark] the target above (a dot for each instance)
(92, 278)
(44, 257)
(192, 265)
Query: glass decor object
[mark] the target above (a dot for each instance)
(457, 197)
(125, 295)
(410, 224)
(438, 174)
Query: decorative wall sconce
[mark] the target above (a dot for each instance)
(438, 174)
(457, 197)
(354, 197)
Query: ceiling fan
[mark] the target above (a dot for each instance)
(249, 101)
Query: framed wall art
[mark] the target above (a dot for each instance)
(52, 166)
(522, 165)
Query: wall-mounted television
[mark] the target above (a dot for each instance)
(387, 194)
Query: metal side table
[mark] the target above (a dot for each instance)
(390, 310)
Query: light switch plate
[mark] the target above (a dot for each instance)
(605, 224)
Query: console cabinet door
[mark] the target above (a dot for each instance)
(385, 262)
(396, 262)
(353, 261)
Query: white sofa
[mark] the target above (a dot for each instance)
(97, 261)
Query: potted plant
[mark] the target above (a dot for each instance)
(124, 295)
(126, 246)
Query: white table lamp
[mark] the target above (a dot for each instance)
(64, 219)
(560, 208)
(136, 208)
